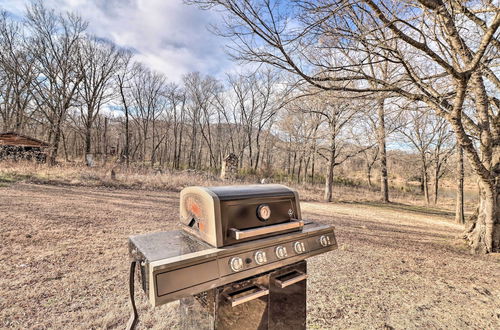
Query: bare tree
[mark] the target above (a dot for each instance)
(16, 75)
(98, 64)
(442, 149)
(301, 129)
(147, 92)
(177, 99)
(122, 83)
(337, 113)
(54, 44)
(420, 131)
(365, 137)
(201, 93)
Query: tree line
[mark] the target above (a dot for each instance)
(335, 80)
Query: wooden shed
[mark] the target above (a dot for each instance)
(17, 146)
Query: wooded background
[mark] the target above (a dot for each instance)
(332, 86)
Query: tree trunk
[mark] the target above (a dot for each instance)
(174, 162)
(179, 150)
(127, 134)
(384, 183)
(127, 139)
(55, 141)
(436, 183)
(425, 185)
(459, 211)
(483, 230)
(306, 168)
(369, 175)
(88, 144)
(289, 160)
(313, 164)
(66, 157)
(105, 139)
(299, 171)
(55, 148)
(329, 178)
(153, 146)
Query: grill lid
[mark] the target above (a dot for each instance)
(226, 215)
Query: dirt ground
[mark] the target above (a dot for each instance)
(64, 264)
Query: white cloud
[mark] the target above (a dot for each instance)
(168, 35)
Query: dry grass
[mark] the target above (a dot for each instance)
(65, 263)
(74, 174)
(146, 178)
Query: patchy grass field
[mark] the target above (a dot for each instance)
(65, 264)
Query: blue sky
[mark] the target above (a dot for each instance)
(168, 35)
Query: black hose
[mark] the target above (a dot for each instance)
(134, 317)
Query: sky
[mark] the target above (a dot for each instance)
(167, 35)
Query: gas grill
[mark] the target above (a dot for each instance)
(240, 249)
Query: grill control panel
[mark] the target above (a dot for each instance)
(274, 253)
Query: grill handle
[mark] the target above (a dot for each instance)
(249, 297)
(283, 284)
(254, 232)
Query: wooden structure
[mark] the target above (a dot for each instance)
(17, 146)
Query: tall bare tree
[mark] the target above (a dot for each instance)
(147, 91)
(99, 62)
(442, 149)
(176, 98)
(122, 84)
(17, 73)
(54, 43)
(337, 113)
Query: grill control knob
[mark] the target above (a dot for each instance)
(236, 264)
(324, 240)
(281, 252)
(260, 257)
(299, 247)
